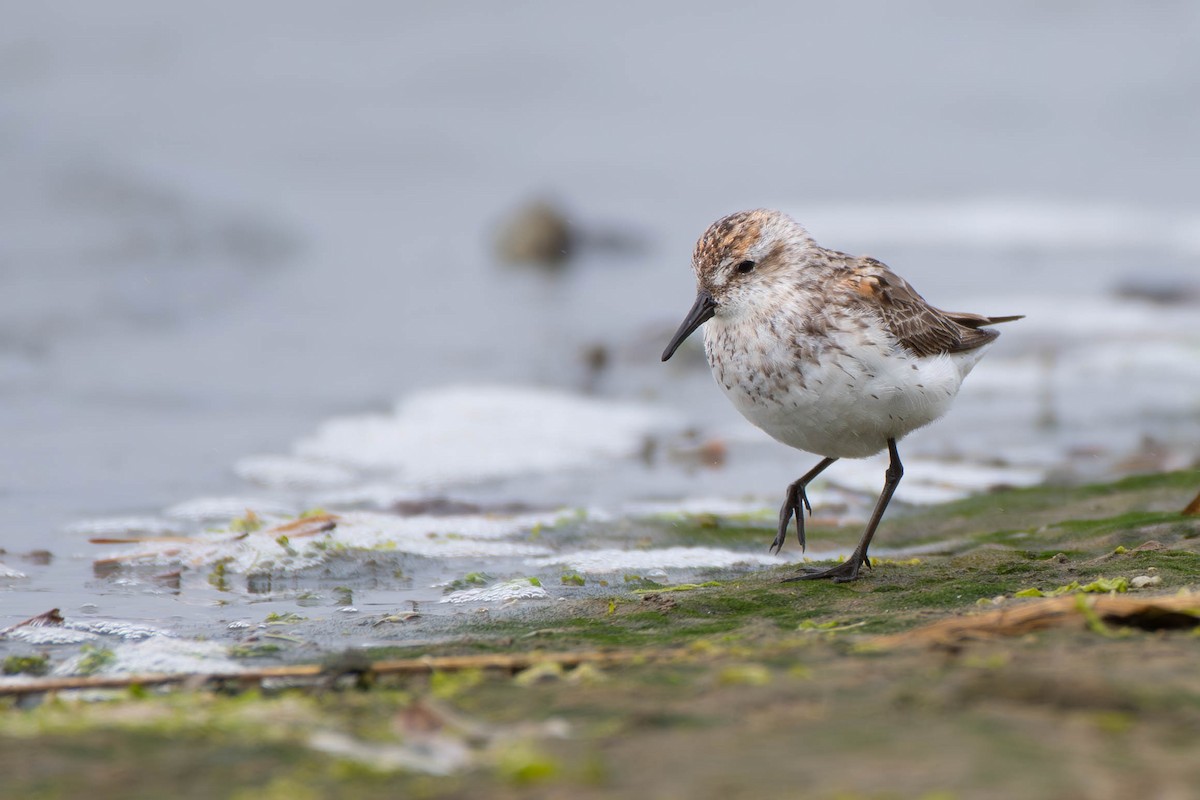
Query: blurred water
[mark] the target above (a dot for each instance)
(222, 226)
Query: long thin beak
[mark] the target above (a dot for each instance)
(702, 311)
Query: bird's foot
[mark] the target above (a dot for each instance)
(793, 506)
(844, 572)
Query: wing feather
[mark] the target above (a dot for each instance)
(918, 326)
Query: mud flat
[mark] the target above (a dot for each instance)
(1043, 646)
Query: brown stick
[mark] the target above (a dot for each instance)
(408, 666)
(306, 526)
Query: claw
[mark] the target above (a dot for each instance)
(842, 573)
(848, 570)
(798, 510)
(793, 506)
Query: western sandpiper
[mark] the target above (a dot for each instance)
(826, 352)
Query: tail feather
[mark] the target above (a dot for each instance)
(998, 320)
(978, 320)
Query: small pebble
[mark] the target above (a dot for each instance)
(1142, 581)
(658, 576)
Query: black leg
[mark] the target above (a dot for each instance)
(794, 504)
(848, 569)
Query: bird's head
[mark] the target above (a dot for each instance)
(737, 262)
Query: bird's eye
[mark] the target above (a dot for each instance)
(745, 266)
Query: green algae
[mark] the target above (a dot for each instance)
(248, 523)
(1098, 586)
(93, 659)
(38, 664)
(680, 587)
(469, 581)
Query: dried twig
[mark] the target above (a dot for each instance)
(306, 526)
(313, 672)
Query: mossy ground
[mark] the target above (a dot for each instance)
(769, 694)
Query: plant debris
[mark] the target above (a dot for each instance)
(45, 619)
(1159, 613)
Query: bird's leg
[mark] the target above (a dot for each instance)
(848, 569)
(794, 504)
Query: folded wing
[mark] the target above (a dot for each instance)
(918, 326)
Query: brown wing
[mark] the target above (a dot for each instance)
(918, 326)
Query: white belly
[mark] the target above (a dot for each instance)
(847, 402)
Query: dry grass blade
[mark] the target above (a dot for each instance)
(293, 529)
(306, 526)
(1177, 611)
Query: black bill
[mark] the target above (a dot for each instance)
(702, 311)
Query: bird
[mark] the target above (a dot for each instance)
(826, 352)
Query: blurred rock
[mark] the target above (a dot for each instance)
(1160, 291)
(542, 234)
(537, 233)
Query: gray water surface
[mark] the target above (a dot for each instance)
(224, 226)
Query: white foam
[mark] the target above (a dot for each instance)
(52, 635)
(8, 572)
(467, 434)
(613, 560)
(223, 509)
(433, 537)
(509, 591)
(125, 630)
(376, 494)
(697, 506)
(928, 481)
(285, 472)
(160, 655)
(124, 526)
